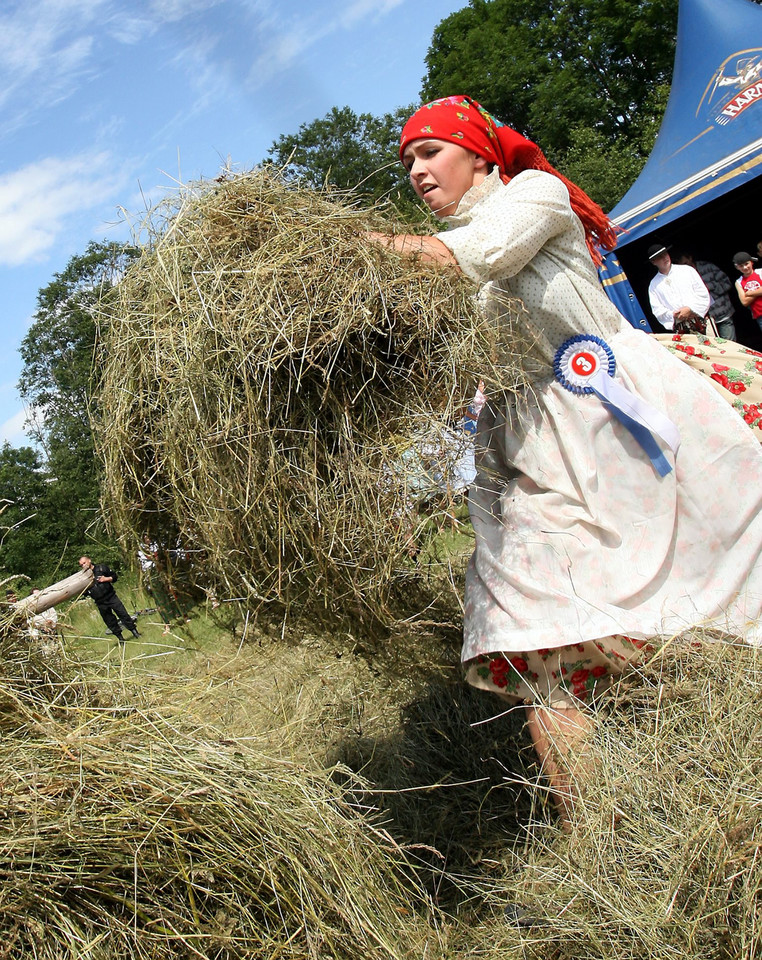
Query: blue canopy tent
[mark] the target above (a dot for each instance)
(701, 188)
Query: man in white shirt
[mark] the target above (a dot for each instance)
(677, 293)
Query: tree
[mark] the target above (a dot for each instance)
(353, 152)
(488, 50)
(57, 351)
(59, 381)
(24, 545)
(549, 68)
(586, 79)
(606, 169)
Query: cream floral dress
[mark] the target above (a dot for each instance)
(584, 554)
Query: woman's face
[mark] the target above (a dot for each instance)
(441, 172)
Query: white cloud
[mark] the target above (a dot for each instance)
(170, 10)
(129, 29)
(32, 34)
(129, 24)
(46, 49)
(36, 201)
(49, 47)
(12, 430)
(288, 39)
(209, 78)
(367, 10)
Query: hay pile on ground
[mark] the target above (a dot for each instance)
(667, 858)
(151, 816)
(123, 835)
(31, 668)
(665, 861)
(269, 380)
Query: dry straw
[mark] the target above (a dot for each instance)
(666, 857)
(158, 831)
(124, 835)
(272, 383)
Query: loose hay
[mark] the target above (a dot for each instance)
(138, 822)
(666, 860)
(270, 383)
(125, 836)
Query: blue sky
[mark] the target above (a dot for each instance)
(106, 104)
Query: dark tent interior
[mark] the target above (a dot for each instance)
(714, 232)
(700, 189)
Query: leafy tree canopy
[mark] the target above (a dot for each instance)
(586, 79)
(57, 381)
(357, 152)
(548, 68)
(24, 546)
(57, 352)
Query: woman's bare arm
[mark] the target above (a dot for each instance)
(427, 248)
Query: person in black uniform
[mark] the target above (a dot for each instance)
(108, 603)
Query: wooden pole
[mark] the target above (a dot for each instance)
(71, 587)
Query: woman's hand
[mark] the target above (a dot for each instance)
(427, 248)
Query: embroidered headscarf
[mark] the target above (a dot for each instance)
(464, 121)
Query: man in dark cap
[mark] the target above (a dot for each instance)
(749, 285)
(678, 296)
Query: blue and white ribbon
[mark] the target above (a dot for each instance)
(586, 364)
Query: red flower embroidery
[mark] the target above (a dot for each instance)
(499, 668)
(600, 671)
(719, 367)
(737, 387)
(579, 677)
(520, 664)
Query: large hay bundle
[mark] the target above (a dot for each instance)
(266, 372)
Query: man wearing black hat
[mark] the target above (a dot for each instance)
(749, 285)
(678, 296)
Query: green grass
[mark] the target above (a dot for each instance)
(87, 639)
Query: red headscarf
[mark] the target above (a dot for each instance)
(467, 123)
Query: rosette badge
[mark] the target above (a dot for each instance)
(580, 360)
(585, 364)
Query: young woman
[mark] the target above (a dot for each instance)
(598, 511)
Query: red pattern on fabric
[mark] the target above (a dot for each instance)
(499, 669)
